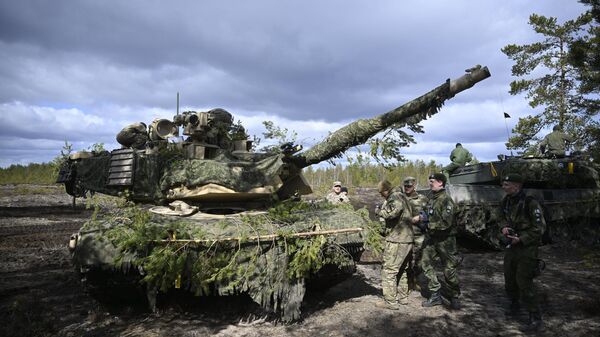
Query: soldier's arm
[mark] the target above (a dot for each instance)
(392, 209)
(537, 224)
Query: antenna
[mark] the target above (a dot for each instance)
(180, 135)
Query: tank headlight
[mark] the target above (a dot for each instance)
(73, 242)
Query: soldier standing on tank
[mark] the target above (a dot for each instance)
(438, 221)
(523, 230)
(459, 157)
(396, 213)
(554, 144)
(134, 135)
(336, 196)
(417, 201)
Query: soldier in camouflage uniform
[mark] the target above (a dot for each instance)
(523, 231)
(336, 196)
(398, 243)
(134, 135)
(553, 145)
(459, 157)
(417, 202)
(439, 224)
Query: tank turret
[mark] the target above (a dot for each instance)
(213, 164)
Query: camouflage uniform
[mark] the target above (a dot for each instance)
(524, 215)
(440, 240)
(337, 198)
(459, 157)
(133, 135)
(399, 241)
(554, 143)
(417, 202)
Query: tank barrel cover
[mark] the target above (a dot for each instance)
(413, 112)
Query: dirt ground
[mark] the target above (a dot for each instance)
(40, 294)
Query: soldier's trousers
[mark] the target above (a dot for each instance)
(415, 261)
(394, 280)
(450, 168)
(520, 264)
(445, 248)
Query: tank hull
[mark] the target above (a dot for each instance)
(567, 189)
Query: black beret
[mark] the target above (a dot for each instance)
(438, 176)
(514, 177)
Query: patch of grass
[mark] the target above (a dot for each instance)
(44, 173)
(591, 259)
(37, 189)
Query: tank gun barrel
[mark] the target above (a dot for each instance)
(412, 112)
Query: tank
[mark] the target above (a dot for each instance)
(209, 216)
(568, 189)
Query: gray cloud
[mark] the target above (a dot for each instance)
(113, 62)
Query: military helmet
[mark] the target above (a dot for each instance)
(383, 186)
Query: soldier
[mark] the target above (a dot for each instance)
(134, 135)
(417, 201)
(396, 213)
(523, 230)
(553, 145)
(459, 157)
(439, 224)
(336, 196)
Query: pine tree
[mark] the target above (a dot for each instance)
(548, 79)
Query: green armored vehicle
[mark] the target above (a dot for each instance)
(214, 218)
(568, 189)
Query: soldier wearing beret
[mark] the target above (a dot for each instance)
(417, 202)
(396, 213)
(523, 229)
(439, 224)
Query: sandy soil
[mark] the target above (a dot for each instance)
(40, 294)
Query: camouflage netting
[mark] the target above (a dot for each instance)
(92, 173)
(236, 175)
(257, 254)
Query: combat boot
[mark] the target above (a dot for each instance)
(535, 322)
(388, 305)
(455, 303)
(434, 299)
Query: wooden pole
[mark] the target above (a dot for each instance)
(269, 236)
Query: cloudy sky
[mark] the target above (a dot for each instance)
(78, 71)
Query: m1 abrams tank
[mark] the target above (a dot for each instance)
(222, 219)
(568, 189)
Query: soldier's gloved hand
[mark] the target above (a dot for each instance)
(423, 226)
